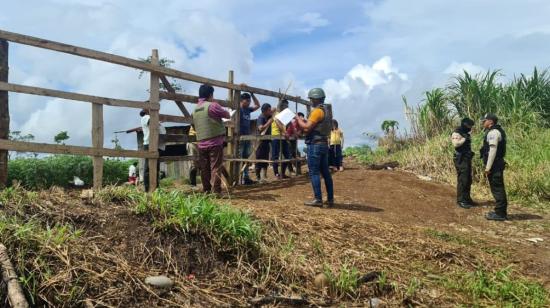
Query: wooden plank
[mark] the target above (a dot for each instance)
(178, 158)
(151, 67)
(36, 147)
(97, 142)
(265, 137)
(175, 119)
(248, 160)
(235, 175)
(11, 87)
(190, 98)
(154, 89)
(4, 112)
(171, 89)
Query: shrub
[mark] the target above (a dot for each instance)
(59, 170)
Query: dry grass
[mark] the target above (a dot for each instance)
(66, 258)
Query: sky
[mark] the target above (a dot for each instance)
(366, 54)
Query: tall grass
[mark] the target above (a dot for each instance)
(523, 107)
(227, 226)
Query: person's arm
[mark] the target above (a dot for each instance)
(256, 103)
(493, 137)
(217, 111)
(342, 137)
(316, 116)
(262, 128)
(457, 139)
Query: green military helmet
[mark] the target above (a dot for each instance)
(316, 93)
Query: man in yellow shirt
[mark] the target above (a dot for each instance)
(317, 130)
(279, 146)
(336, 145)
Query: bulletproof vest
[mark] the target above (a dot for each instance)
(205, 126)
(466, 147)
(322, 130)
(501, 147)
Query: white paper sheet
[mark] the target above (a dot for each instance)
(231, 113)
(285, 116)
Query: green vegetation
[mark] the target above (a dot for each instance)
(499, 286)
(523, 107)
(227, 226)
(59, 170)
(447, 237)
(345, 281)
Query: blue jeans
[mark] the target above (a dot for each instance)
(276, 147)
(244, 152)
(317, 163)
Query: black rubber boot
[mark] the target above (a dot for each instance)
(495, 216)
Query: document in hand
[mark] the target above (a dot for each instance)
(231, 113)
(285, 116)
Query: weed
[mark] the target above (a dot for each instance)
(449, 237)
(345, 281)
(501, 287)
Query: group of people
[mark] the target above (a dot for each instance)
(324, 141)
(210, 134)
(492, 154)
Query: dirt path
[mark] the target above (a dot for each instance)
(401, 202)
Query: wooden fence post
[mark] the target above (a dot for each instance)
(235, 175)
(230, 131)
(97, 143)
(154, 89)
(4, 112)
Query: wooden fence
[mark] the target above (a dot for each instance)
(158, 74)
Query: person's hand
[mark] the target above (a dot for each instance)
(487, 172)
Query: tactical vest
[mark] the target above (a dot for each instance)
(466, 147)
(322, 130)
(205, 126)
(501, 149)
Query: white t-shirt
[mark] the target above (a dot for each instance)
(145, 128)
(132, 171)
(162, 143)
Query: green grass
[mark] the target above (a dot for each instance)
(33, 248)
(225, 225)
(344, 281)
(58, 170)
(500, 287)
(447, 237)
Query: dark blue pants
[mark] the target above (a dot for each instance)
(278, 146)
(335, 156)
(317, 162)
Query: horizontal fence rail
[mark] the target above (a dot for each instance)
(128, 62)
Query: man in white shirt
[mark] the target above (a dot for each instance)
(145, 118)
(493, 153)
(462, 143)
(132, 174)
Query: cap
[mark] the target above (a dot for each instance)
(490, 116)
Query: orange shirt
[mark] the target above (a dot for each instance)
(316, 116)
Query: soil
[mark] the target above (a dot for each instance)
(379, 223)
(406, 202)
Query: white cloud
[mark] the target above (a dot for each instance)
(366, 96)
(312, 21)
(456, 68)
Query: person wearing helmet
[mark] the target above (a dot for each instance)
(317, 130)
(462, 143)
(493, 152)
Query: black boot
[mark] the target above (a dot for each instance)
(495, 216)
(464, 205)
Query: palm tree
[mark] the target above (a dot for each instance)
(389, 126)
